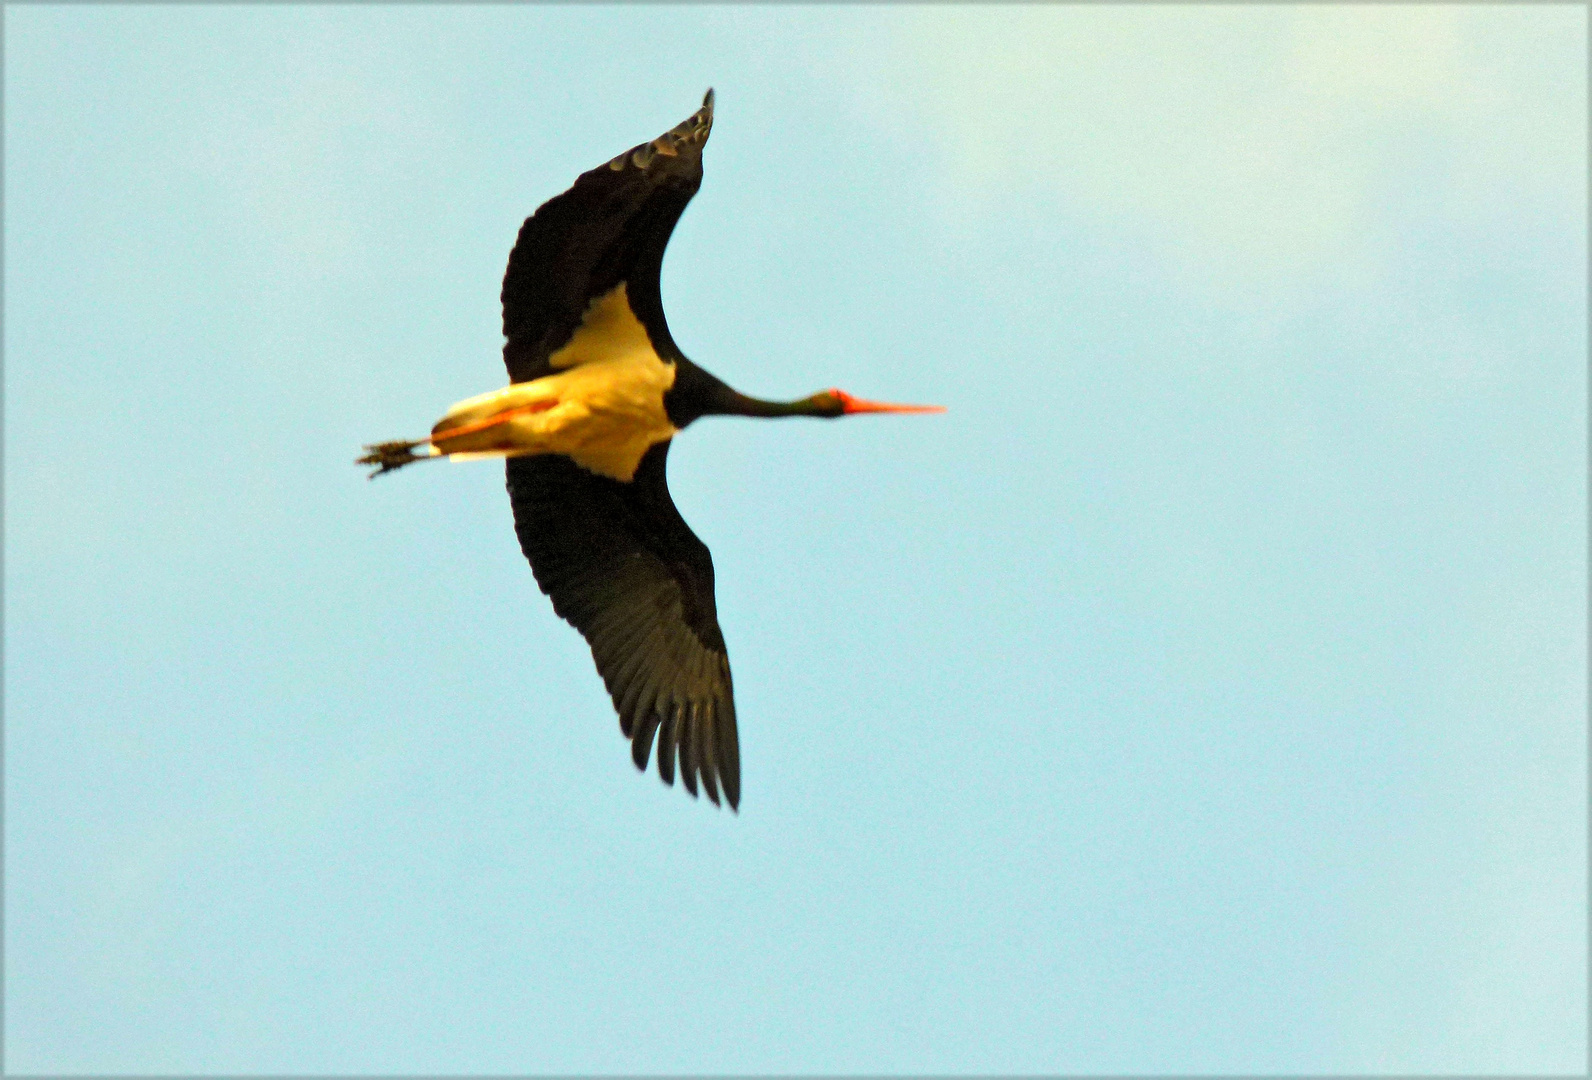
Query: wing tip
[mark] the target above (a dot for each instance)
(689, 134)
(691, 745)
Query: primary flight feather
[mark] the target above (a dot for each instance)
(597, 390)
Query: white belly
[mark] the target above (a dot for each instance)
(604, 414)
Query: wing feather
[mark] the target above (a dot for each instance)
(641, 745)
(703, 719)
(666, 745)
(689, 757)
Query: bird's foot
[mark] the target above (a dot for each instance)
(388, 456)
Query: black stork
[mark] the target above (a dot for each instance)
(598, 388)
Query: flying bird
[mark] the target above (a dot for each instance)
(597, 391)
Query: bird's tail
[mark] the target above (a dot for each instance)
(388, 456)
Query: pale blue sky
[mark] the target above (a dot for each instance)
(1206, 691)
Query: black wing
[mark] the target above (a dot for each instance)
(623, 567)
(611, 226)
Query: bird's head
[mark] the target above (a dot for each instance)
(832, 403)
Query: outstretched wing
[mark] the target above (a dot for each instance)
(611, 226)
(623, 567)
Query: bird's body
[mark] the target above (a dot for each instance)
(603, 407)
(598, 389)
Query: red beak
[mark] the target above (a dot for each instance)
(849, 405)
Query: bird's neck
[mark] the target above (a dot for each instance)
(739, 404)
(696, 394)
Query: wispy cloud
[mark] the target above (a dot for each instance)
(1246, 143)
